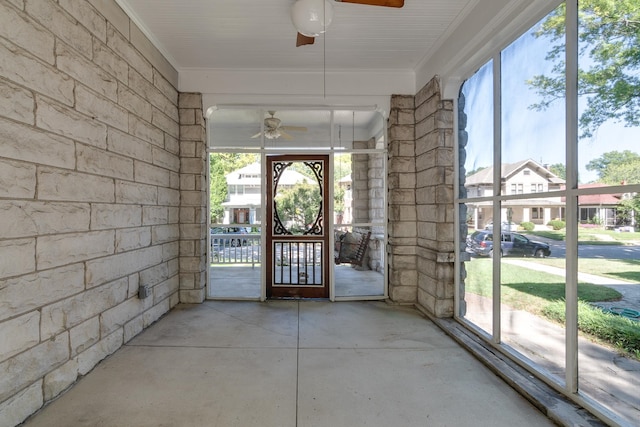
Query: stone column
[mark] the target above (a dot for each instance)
(403, 274)
(193, 199)
(434, 200)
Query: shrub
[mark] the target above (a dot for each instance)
(557, 224)
(528, 226)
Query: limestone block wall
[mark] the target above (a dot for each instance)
(193, 207)
(368, 187)
(401, 178)
(421, 195)
(434, 200)
(89, 193)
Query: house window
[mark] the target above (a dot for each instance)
(513, 188)
(520, 189)
(534, 188)
(537, 213)
(526, 172)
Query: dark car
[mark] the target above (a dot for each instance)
(513, 244)
(220, 236)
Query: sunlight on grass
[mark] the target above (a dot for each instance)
(591, 236)
(619, 269)
(622, 333)
(543, 294)
(532, 294)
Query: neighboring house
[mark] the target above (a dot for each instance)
(244, 193)
(601, 209)
(524, 177)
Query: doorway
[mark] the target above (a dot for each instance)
(297, 234)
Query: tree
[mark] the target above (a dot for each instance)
(609, 37)
(217, 188)
(298, 206)
(616, 167)
(475, 171)
(559, 170)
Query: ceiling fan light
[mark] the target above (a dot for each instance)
(271, 133)
(311, 17)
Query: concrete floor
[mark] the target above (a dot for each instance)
(240, 281)
(291, 363)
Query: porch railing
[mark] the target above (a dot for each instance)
(235, 249)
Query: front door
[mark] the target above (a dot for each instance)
(298, 252)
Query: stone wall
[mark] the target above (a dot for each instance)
(421, 209)
(401, 178)
(368, 198)
(434, 200)
(89, 193)
(193, 207)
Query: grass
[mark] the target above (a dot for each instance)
(622, 333)
(623, 269)
(590, 236)
(543, 294)
(533, 294)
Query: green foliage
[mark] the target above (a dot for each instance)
(476, 170)
(298, 206)
(338, 199)
(609, 37)
(557, 224)
(217, 188)
(616, 167)
(628, 210)
(528, 226)
(559, 170)
(235, 161)
(621, 332)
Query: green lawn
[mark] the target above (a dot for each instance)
(532, 294)
(590, 236)
(619, 269)
(543, 294)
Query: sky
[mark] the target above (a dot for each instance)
(527, 133)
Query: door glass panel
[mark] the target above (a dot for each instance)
(298, 198)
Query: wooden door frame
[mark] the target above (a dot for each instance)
(292, 291)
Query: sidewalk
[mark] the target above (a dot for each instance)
(630, 291)
(604, 375)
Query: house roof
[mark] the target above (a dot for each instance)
(252, 175)
(609, 199)
(485, 176)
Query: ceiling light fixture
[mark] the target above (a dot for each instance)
(311, 17)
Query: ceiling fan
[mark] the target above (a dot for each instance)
(312, 17)
(273, 128)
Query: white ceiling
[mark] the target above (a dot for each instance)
(259, 35)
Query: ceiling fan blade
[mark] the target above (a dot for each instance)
(386, 3)
(285, 135)
(257, 135)
(294, 128)
(303, 40)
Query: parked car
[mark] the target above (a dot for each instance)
(513, 244)
(228, 241)
(506, 226)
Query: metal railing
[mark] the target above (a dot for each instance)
(235, 249)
